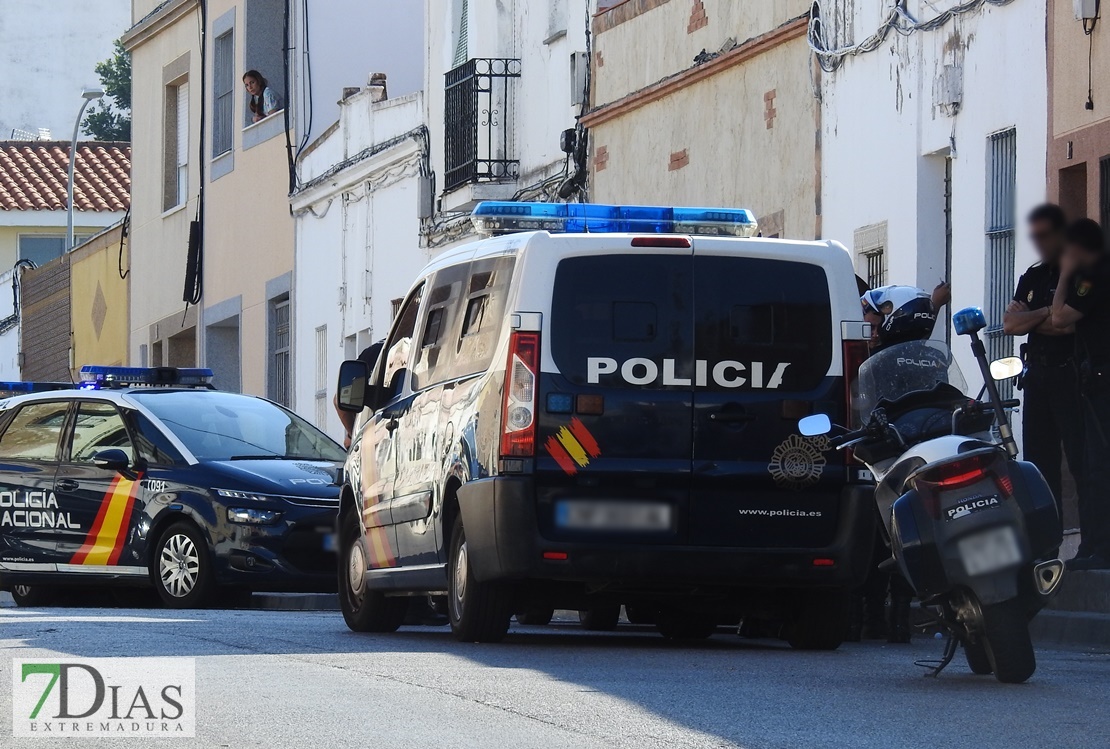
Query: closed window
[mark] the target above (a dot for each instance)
(1001, 236)
(281, 353)
(177, 145)
(34, 431)
(98, 427)
(223, 109)
(42, 248)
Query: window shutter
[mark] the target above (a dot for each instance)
(462, 52)
(183, 124)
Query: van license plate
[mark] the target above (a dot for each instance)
(578, 514)
(990, 551)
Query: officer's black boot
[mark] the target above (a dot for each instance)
(899, 631)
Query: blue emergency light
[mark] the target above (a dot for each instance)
(503, 217)
(96, 376)
(34, 387)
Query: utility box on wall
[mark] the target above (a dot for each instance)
(1086, 10)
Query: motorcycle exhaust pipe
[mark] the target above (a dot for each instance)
(1047, 576)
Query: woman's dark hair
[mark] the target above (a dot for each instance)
(1086, 234)
(1050, 214)
(256, 103)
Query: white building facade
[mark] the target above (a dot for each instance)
(933, 145)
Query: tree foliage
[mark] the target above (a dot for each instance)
(110, 117)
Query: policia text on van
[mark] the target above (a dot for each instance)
(604, 413)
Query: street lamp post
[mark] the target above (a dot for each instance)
(89, 95)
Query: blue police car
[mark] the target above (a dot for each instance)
(150, 477)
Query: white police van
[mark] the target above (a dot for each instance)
(597, 406)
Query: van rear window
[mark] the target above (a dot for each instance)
(680, 322)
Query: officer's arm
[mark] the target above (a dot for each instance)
(1019, 321)
(1064, 316)
(1048, 327)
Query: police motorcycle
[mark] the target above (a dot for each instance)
(974, 530)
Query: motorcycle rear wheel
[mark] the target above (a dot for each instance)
(1006, 640)
(977, 659)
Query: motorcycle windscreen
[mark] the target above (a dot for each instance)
(763, 349)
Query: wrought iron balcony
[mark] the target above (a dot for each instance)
(479, 104)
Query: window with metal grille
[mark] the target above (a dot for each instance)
(321, 376)
(281, 360)
(1104, 191)
(876, 268)
(870, 246)
(478, 109)
(1000, 221)
(223, 105)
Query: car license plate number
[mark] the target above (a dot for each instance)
(990, 551)
(613, 516)
(329, 542)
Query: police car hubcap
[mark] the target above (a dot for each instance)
(356, 568)
(179, 565)
(460, 580)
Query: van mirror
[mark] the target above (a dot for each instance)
(1004, 369)
(354, 391)
(815, 426)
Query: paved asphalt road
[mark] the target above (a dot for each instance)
(292, 679)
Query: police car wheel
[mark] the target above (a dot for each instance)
(678, 626)
(479, 611)
(364, 610)
(33, 595)
(181, 567)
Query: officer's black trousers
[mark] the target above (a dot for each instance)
(1052, 418)
(1094, 505)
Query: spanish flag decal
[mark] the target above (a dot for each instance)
(104, 543)
(572, 447)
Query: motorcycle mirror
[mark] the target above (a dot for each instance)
(815, 426)
(1004, 369)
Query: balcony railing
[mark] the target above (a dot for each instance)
(478, 100)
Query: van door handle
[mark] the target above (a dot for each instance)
(731, 417)
(66, 485)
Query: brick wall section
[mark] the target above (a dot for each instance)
(45, 302)
(698, 17)
(626, 11)
(601, 158)
(679, 159)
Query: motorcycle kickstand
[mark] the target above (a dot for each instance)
(950, 648)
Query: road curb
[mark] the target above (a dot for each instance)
(6, 600)
(1071, 629)
(295, 601)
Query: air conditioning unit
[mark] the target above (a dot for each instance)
(1086, 10)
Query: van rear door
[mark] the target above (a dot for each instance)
(615, 435)
(764, 343)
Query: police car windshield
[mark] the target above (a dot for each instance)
(226, 426)
(905, 368)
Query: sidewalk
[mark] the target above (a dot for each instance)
(1079, 614)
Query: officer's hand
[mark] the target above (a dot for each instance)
(942, 295)
(1016, 306)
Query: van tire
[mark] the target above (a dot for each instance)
(193, 589)
(364, 610)
(535, 617)
(479, 611)
(820, 621)
(684, 626)
(34, 596)
(601, 618)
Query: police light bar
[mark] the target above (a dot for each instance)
(21, 388)
(502, 217)
(92, 376)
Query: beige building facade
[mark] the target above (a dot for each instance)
(707, 102)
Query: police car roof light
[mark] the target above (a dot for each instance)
(34, 387)
(505, 217)
(181, 376)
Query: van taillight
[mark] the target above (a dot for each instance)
(518, 416)
(855, 354)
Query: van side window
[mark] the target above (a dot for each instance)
(484, 314)
(395, 355)
(433, 362)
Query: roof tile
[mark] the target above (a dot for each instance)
(33, 176)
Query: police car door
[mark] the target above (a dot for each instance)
(763, 347)
(31, 518)
(101, 499)
(614, 439)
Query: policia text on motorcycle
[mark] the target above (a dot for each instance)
(1052, 412)
(1082, 301)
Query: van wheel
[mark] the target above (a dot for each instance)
(820, 621)
(364, 610)
(684, 626)
(603, 618)
(977, 659)
(479, 612)
(182, 567)
(535, 617)
(34, 595)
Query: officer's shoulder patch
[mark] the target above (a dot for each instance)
(1029, 296)
(1084, 288)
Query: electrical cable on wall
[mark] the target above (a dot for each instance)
(124, 229)
(1089, 25)
(897, 20)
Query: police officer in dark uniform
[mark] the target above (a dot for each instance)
(1052, 412)
(1082, 300)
